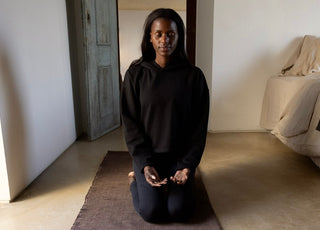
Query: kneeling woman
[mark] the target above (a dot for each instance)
(165, 105)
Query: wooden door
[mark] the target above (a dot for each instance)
(100, 27)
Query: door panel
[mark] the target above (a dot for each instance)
(101, 66)
(105, 82)
(102, 22)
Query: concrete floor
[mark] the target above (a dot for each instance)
(253, 181)
(256, 182)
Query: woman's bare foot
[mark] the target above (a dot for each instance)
(131, 177)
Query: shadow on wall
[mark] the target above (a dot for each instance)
(13, 127)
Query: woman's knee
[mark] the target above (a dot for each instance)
(178, 212)
(180, 209)
(152, 212)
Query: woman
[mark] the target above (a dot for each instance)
(165, 104)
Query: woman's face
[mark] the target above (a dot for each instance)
(164, 37)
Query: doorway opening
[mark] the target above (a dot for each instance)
(131, 17)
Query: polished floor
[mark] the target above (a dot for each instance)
(253, 182)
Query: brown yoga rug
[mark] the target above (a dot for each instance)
(108, 204)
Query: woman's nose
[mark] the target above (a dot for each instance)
(164, 38)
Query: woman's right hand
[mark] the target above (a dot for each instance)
(152, 177)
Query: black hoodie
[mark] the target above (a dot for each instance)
(165, 110)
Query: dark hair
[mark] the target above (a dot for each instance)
(147, 50)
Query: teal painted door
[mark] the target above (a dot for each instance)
(101, 66)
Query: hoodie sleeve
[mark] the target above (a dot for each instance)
(138, 144)
(198, 127)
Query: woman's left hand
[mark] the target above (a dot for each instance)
(181, 176)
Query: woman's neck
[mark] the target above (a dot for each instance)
(162, 61)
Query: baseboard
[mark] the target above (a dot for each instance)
(5, 201)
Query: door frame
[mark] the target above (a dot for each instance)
(191, 29)
(76, 69)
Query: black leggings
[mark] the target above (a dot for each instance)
(170, 202)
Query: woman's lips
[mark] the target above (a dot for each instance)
(164, 48)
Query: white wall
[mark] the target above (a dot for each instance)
(204, 41)
(4, 187)
(131, 24)
(252, 40)
(36, 106)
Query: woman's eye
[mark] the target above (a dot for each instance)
(158, 35)
(171, 34)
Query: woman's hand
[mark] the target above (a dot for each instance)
(181, 176)
(152, 177)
